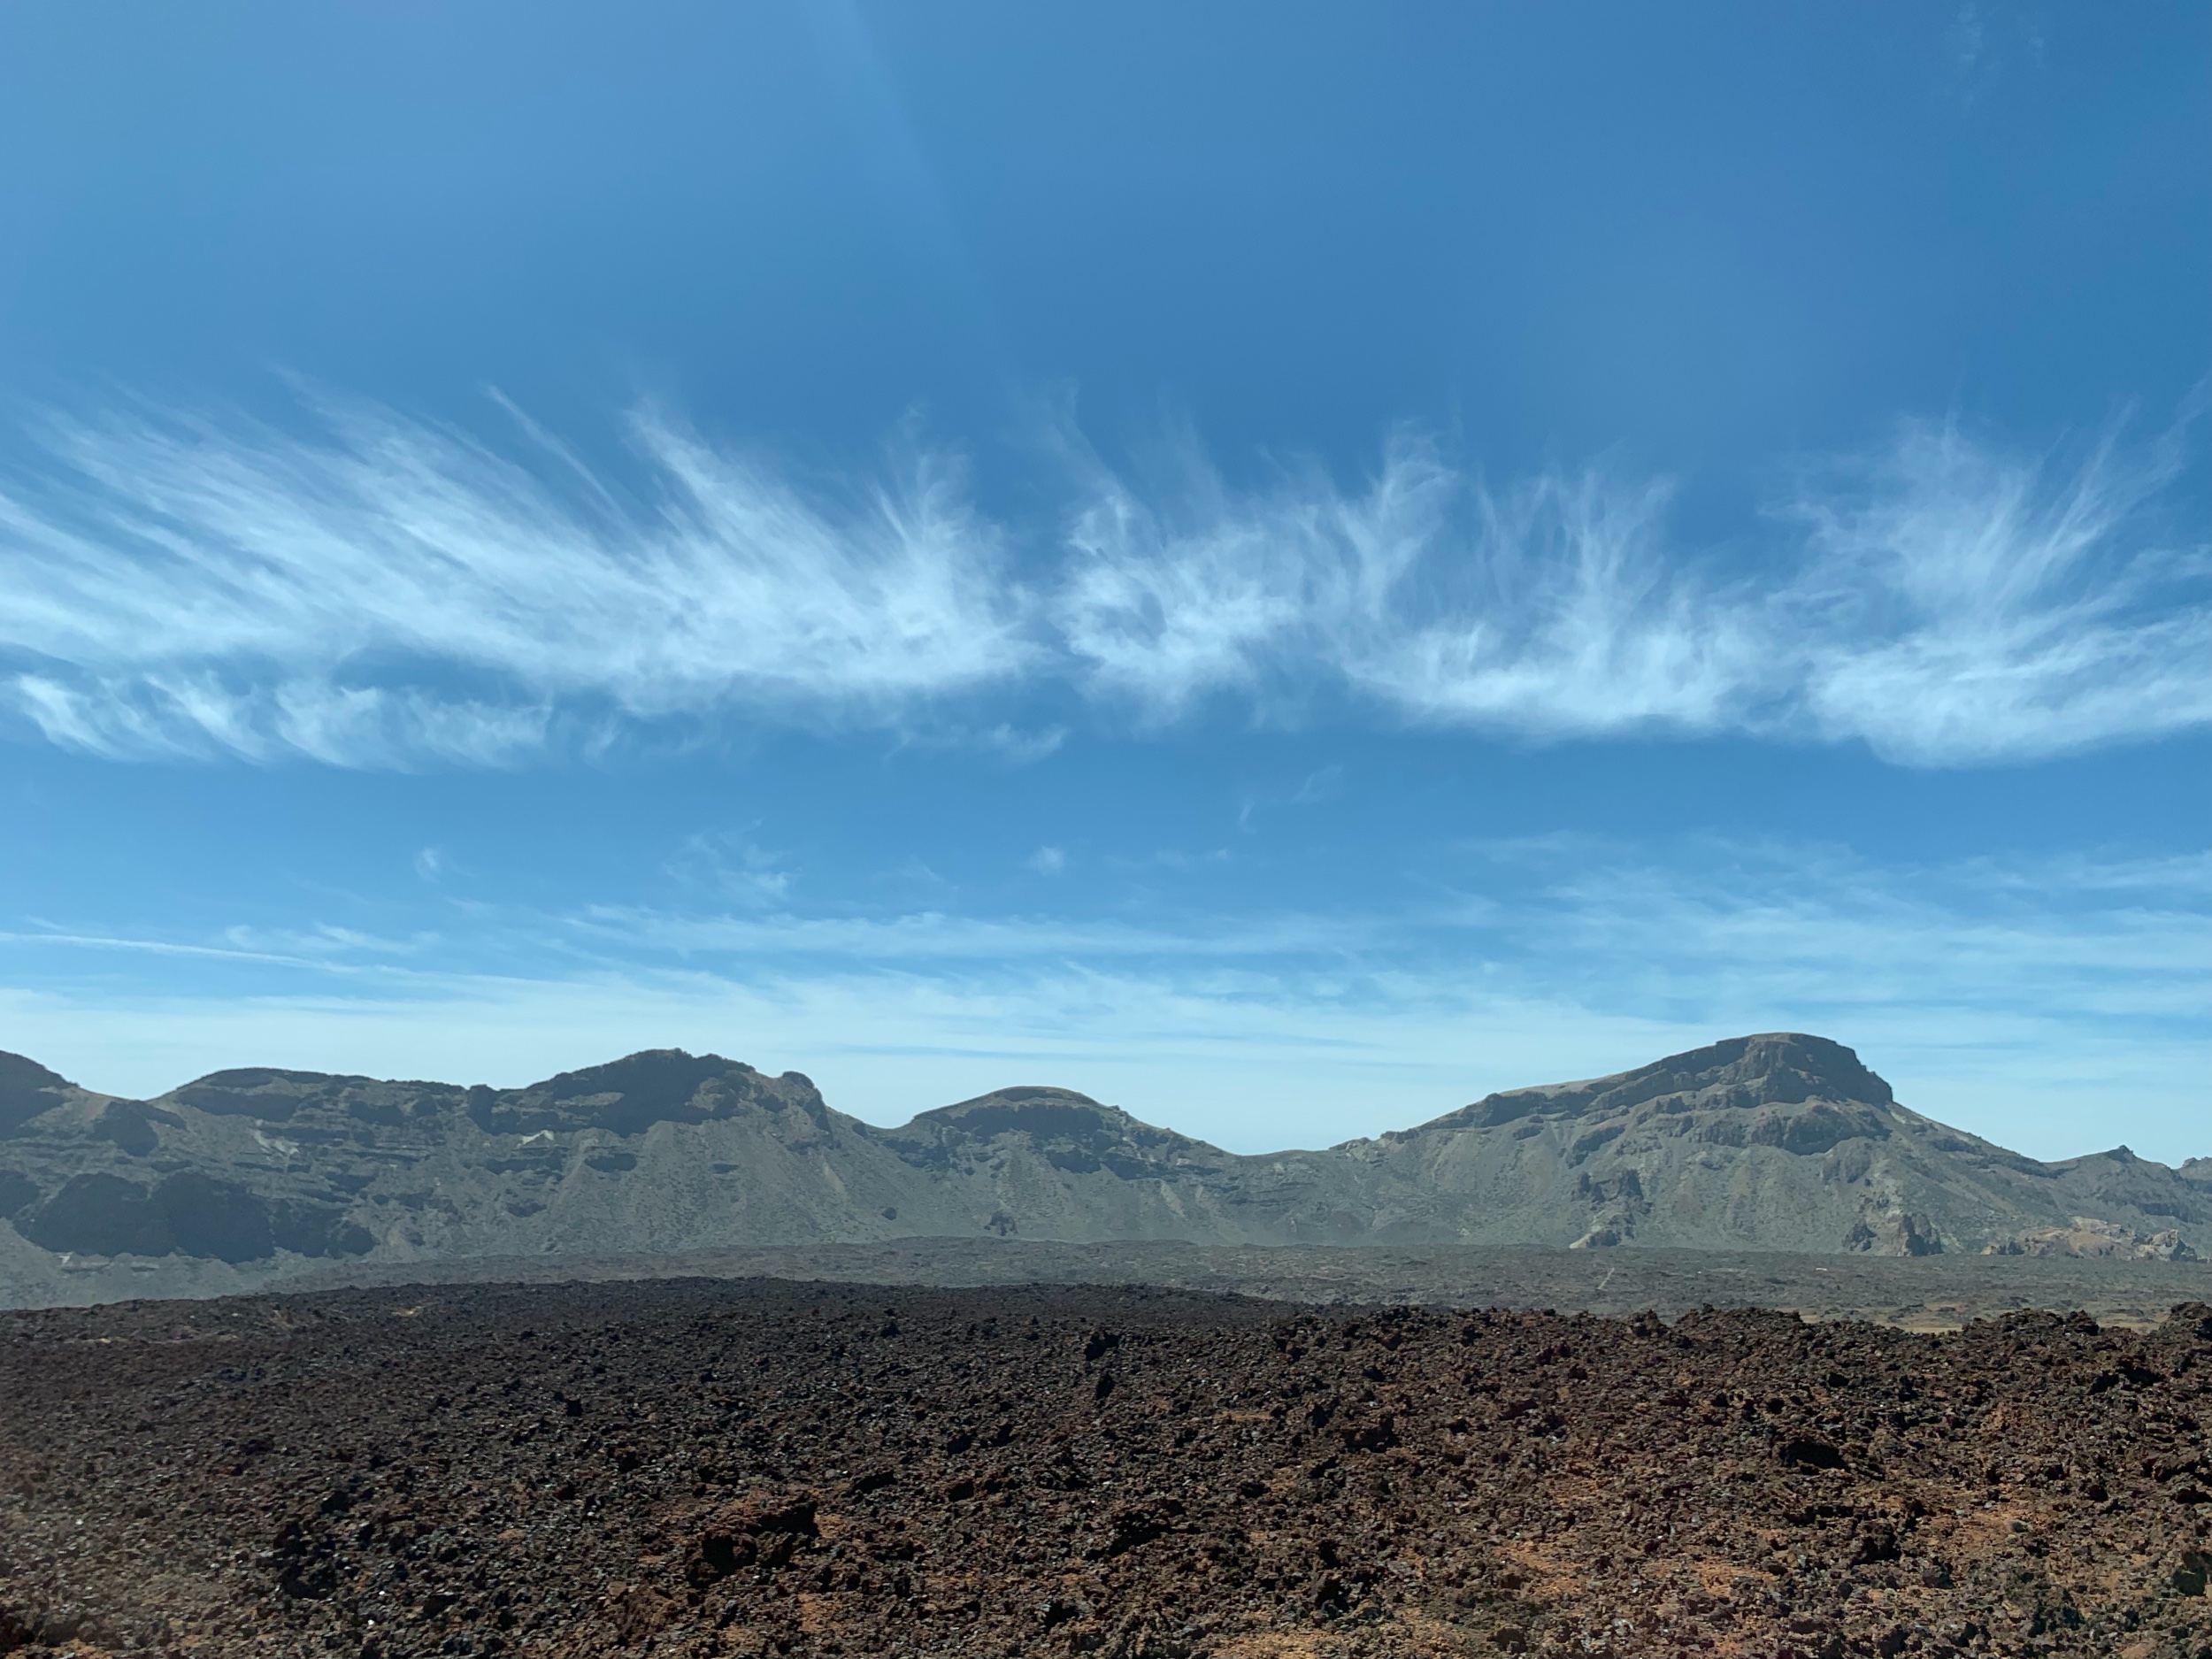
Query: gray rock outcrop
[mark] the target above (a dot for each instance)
(1780, 1141)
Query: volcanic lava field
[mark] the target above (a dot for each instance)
(695, 1467)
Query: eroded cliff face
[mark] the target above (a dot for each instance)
(1776, 1141)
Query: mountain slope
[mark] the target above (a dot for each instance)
(1057, 1164)
(1778, 1141)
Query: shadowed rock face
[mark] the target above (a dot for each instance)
(630, 1095)
(1772, 1141)
(27, 1089)
(1740, 1075)
(17, 1191)
(188, 1214)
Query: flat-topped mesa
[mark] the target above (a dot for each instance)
(1778, 1069)
(264, 1093)
(627, 1097)
(1743, 1073)
(630, 1095)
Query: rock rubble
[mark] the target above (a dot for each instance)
(765, 1468)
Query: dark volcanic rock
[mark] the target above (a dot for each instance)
(27, 1089)
(260, 1092)
(18, 1192)
(188, 1214)
(765, 1468)
(1783, 1069)
(629, 1096)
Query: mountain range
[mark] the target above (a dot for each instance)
(1780, 1141)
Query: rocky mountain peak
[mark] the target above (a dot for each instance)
(1071, 1132)
(649, 1078)
(263, 1093)
(1774, 1069)
(1034, 1110)
(1776, 1140)
(630, 1095)
(27, 1089)
(1783, 1068)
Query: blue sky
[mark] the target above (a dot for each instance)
(1284, 566)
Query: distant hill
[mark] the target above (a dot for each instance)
(1776, 1142)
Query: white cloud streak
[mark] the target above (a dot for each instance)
(381, 592)
(388, 590)
(1550, 611)
(1963, 604)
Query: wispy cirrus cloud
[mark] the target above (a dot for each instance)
(1554, 609)
(1963, 603)
(1939, 598)
(383, 592)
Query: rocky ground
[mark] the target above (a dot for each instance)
(754, 1467)
(1928, 1293)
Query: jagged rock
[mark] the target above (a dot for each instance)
(28, 1090)
(392, 1474)
(2087, 1236)
(764, 1531)
(1893, 1233)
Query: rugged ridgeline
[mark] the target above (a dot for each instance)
(1780, 1142)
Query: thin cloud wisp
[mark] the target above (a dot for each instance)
(383, 592)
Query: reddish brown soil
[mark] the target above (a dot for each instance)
(691, 1467)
